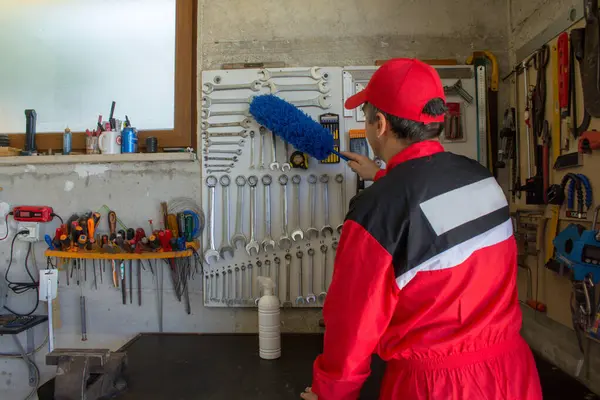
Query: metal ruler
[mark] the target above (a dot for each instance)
(482, 128)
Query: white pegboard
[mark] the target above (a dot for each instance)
(242, 167)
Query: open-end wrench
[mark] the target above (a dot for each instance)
(252, 135)
(312, 232)
(238, 235)
(297, 233)
(242, 134)
(240, 143)
(245, 123)
(274, 166)
(207, 101)
(286, 166)
(284, 241)
(323, 293)
(211, 252)
(219, 151)
(311, 298)
(208, 87)
(265, 74)
(320, 102)
(226, 246)
(253, 244)
(339, 178)
(261, 147)
(277, 262)
(233, 158)
(206, 113)
(326, 227)
(300, 299)
(225, 171)
(320, 86)
(230, 165)
(268, 243)
(288, 281)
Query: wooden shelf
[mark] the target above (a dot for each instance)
(95, 255)
(98, 158)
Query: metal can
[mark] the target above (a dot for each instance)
(67, 141)
(129, 140)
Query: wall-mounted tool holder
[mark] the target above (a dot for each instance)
(453, 124)
(265, 218)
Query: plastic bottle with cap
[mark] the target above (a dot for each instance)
(269, 329)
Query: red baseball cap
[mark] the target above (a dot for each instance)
(402, 87)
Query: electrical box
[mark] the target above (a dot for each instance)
(33, 229)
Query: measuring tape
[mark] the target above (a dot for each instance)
(482, 128)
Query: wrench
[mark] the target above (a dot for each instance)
(236, 281)
(284, 240)
(297, 234)
(207, 288)
(261, 148)
(312, 194)
(251, 287)
(267, 267)
(230, 286)
(320, 101)
(339, 178)
(288, 272)
(323, 293)
(246, 123)
(208, 135)
(206, 113)
(311, 298)
(234, 158)
(207, 101)
(258, 273)
(300, 300)
(240, 143)
(253, 245)
(326, 228)
(226, 246)
(265, 74)
(251, 150)
(243, 283)
(226, 171)
(230, 165)
(277, 261)
(209, 87)
(218, 296)
(239, 236)
(286, 166)
(268, 242)
(211, 252)
(224, 291)
(274, 166)
(217, 151)
(320, 86)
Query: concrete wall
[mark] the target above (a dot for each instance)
(303, 33)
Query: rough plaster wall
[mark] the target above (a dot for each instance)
(134, 191)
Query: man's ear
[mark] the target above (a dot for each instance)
(382, 125)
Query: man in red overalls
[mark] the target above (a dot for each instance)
(426, 268)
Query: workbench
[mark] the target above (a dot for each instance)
(227, 367)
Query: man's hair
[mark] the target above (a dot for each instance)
(408, 130)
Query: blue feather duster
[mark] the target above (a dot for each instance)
(293, 126)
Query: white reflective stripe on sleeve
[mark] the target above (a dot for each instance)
(460, 253)
(459, 206)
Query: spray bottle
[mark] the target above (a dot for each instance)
(269, 330)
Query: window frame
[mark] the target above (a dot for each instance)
(183, 134)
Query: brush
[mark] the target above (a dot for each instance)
(293, 126)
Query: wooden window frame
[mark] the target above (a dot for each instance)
(183, 134)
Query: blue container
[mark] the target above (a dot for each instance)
(67, 137)
(129, 140)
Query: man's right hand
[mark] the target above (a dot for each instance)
(362, 165)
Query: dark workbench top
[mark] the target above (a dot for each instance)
(227, 367)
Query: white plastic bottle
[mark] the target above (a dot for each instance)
(269, 330)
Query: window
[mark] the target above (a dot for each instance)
(70, 59)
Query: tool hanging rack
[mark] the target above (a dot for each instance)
(94, 255)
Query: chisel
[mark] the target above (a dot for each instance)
(139, 279)
(130, 281)
(123, 282)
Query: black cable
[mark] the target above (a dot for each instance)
(58, 216)
(6, 223)
(21, 287)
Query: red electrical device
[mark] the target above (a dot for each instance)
(32, 213)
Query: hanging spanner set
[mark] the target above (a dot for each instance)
(266, 215)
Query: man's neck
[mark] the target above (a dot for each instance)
(392, 148)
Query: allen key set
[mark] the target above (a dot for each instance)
(271, 211)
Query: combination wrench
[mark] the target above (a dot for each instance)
(326, 227)
(300, 299)
(268, 242)
(207, 101)
(252, 135)
(277, 262)
(209, 87)
(288, 281)
(242, 134)
(339, 178)
(253, 244)
(265, 74)
(230, 165)
(233, 158)
(284, 241)
(274, 166)
(311, 298)
(250, 286)
(312, 232)
(239, 143)
(323, 293)
(320, 86)
(243, 284)
(237, 152)
(245, 123)
(286, 166)
(211, 252)
(261, 147)
(226, 246)
(236, 284)
(297, 234)
(225, 171)
(206, 113)
(258, 273)
(320, 102)
(239, 236)
(224, 294)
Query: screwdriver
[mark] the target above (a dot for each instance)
(181, 224)
(112, 224)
